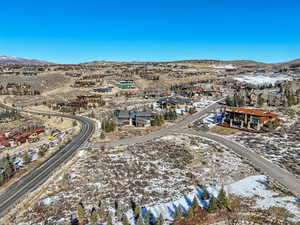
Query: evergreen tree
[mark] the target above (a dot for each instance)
(191, 212)
(94, 217)
(140, 221)
(125, 220)
(102, 135)
(2, 177)
(26, 158)
(119, 212)
(229, 101)
(137, 211)
(205, 195)
(80, 212)
(178, 213)
(260, 101)
(9, 167)
(195, 204)
(212, 205)
(222, 199)
(160, 220)
(101, 211)
(109, 220)
(74, 123)
(149, 218)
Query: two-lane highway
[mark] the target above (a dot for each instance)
(38, 176)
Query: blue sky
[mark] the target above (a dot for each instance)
(73, 31)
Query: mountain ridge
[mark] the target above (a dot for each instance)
(22, 61)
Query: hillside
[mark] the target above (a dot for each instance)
(23, 61)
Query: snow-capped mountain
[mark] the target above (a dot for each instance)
(17, 60)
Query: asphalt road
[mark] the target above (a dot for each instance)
(18, 190)
(267, 167)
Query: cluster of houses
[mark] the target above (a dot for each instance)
(103, 90)
(82, 101)
(15, 138)
(143, 118)
(84, 83)
(8, 116)
(18, 89)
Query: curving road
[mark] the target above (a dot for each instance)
(38, 176)
(267, 167)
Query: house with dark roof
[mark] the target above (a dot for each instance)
(173, 102)
(134, 118)
(7, 117)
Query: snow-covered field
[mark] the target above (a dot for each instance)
(223, 66)
(261, 79)
(253, 187)
(154, 174)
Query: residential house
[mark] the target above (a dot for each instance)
(103, 90)
(7, 117)
(134, 118)
(173, 102)
(84, 83)
(248, 119)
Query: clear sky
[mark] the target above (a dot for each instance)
(73, 31)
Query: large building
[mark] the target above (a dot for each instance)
(251, 119)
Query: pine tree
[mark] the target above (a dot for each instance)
(178, 213)
(109, 220)
(140, 221)
(149, 218)
(119, 212)
(125, 220)
(137, 211)
(80, 212)
(102, 135)
(101, 211)
(222, 199)
(212, 205)
(229, 101)
(205, 195)
(195, 204)
(2, 177)
(26, 158)
(94, 217)
(160, 220)
(191, 212)
(9, 167)
(260, 101)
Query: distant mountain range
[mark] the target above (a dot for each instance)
(22, 61)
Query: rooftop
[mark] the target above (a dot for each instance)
(254, 112)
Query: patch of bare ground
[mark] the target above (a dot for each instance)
(154, 172)
(223, 130)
